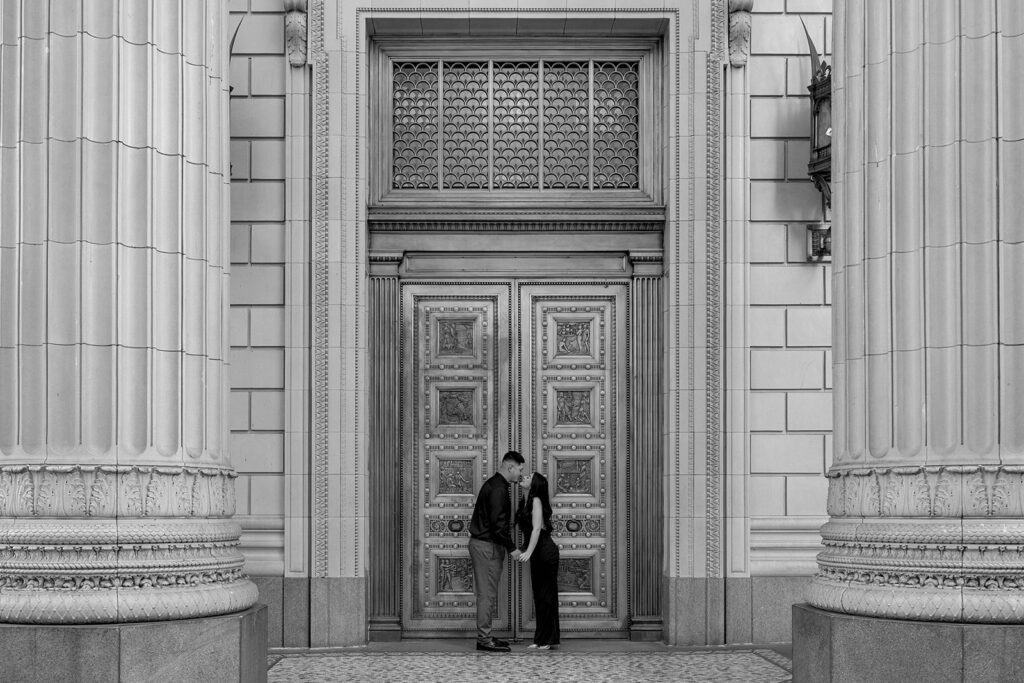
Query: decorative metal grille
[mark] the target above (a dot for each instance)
(516, 125)
(516, 129)
(616, 129)
(415, 126)
(465, 125)
(566, 125)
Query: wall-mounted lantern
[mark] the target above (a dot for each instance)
(819, 167)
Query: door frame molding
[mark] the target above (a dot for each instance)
(642, 509)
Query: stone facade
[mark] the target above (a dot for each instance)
(775, 330)
(736, 372)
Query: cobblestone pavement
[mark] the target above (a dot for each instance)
(753, 665)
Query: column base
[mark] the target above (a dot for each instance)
(830, 647)
(228, 647)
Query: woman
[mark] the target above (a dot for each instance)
(534, 518)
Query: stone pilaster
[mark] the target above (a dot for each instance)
(645, 495)
(926, 490)
(116, 494)
(385, 456)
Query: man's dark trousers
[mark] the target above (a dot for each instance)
(488, 563)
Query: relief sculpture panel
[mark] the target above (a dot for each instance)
(573, 338)
(454, 337)
(455, 477)
(573, 476)
(454, 575)
(575, 575)
(573, 408)
(455, 407)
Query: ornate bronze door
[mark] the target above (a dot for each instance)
(573, 383)
(455, 355)
(537, 367)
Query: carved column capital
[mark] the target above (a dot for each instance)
(646, 262)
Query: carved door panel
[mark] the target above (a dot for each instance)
(573, 385)
(455, 355)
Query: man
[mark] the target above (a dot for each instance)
(490, 538)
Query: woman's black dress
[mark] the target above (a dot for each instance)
(544, 579)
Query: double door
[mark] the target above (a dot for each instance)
(538, 367)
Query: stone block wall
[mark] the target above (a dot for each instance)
(259, 252)
(789, 319)
(787, 331)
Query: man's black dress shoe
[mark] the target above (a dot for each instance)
(499, 641)
(492, 645)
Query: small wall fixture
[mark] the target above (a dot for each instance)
(819, 242)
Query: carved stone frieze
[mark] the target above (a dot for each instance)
(91, 563)
(955, 569)
(932, 491)
(34, 606)
(581, 221)
(114, 491)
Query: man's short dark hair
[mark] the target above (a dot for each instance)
(513, 456)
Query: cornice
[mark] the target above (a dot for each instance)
(476, 226)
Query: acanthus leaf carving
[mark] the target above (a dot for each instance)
(100, 500)
(129, 494)
(5, 493)
(295, 31)
(156, 489)
(999, 493)
(739, 31)
(76, 503)
(920, 495)
(872, 495)
(217, 497)
(24, 494)
(47, 502)
(229, 496)
(836, 496)
(182, 492)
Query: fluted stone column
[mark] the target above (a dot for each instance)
(926, 491)
(116, 494)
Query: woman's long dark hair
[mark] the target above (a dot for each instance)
(539, 489)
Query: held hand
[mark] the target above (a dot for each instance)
(516, 554)
(525, 557)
